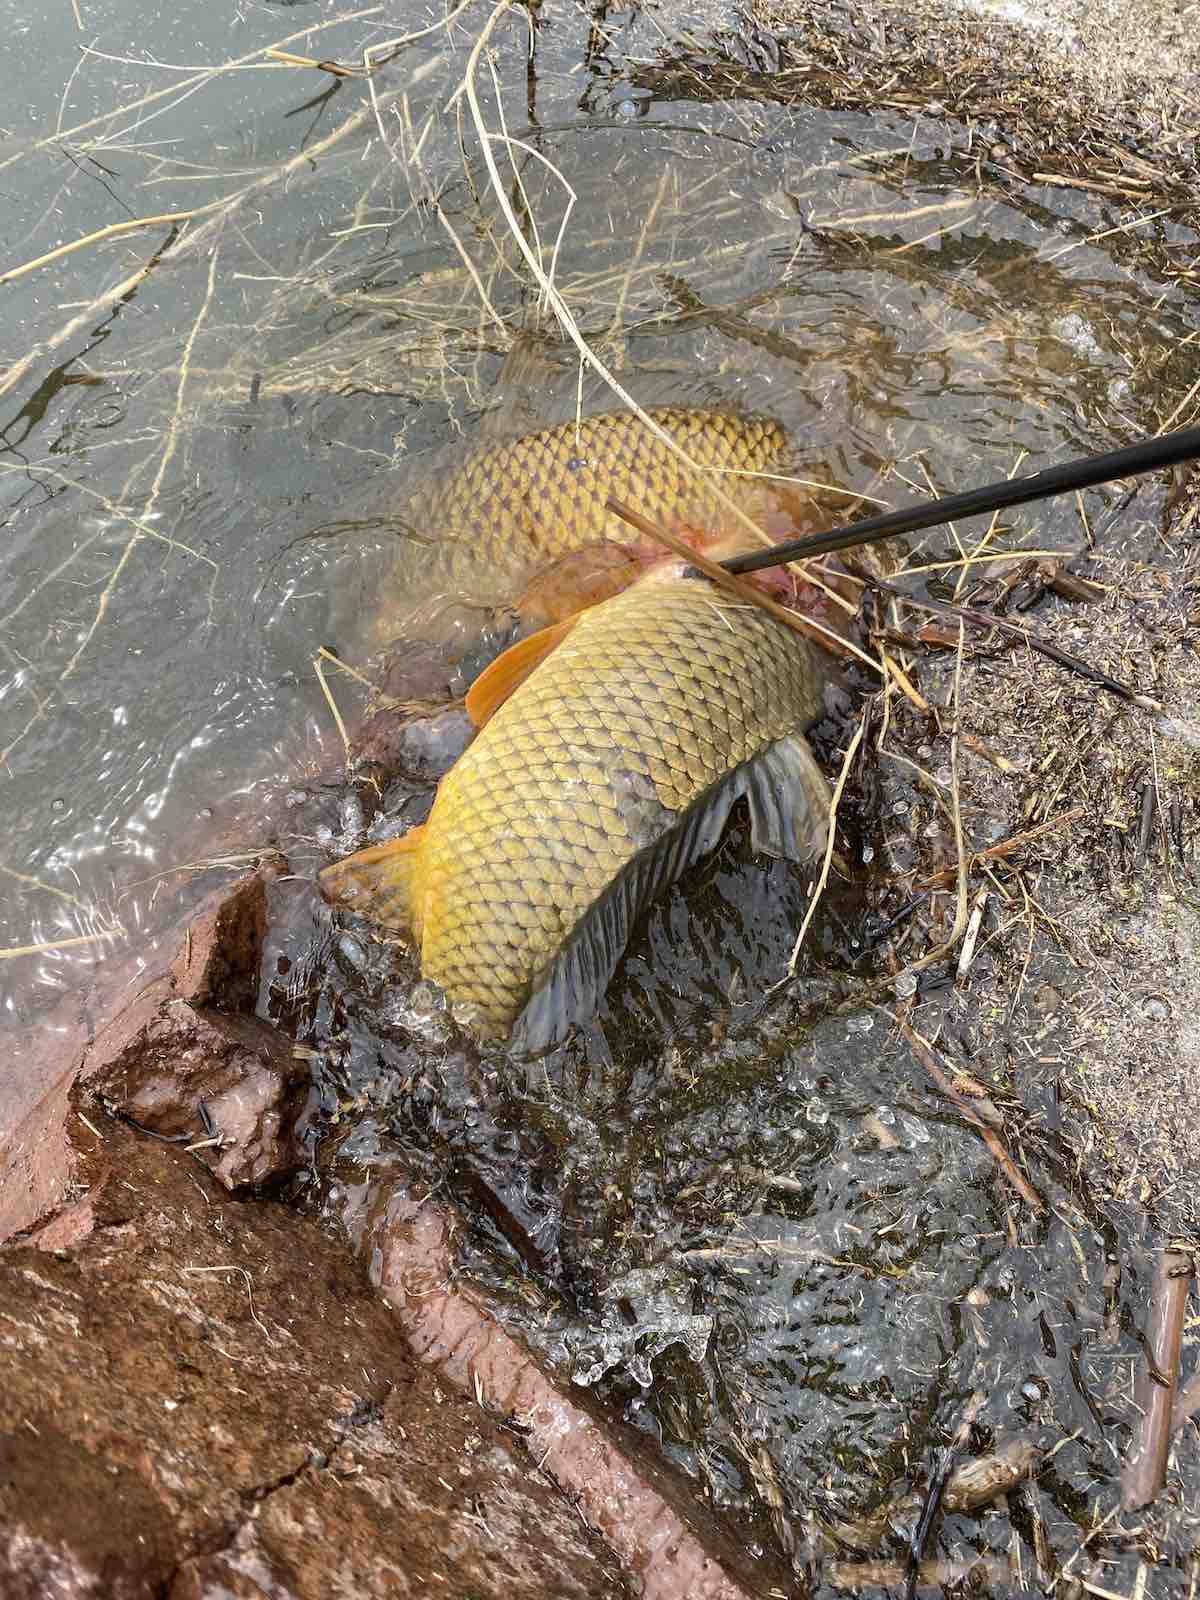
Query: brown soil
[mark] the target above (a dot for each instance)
(217, 1386)
(222, 1402)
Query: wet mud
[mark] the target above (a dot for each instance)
(222, 1401)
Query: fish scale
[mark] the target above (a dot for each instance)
(543, 495)
(610, 768)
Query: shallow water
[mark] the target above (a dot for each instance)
(862, 277)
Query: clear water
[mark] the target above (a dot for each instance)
(862, 277)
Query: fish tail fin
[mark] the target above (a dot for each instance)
(380, 882)
(508, 672)
(789, 798)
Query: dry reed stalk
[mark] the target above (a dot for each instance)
(319, 669)
(187, 86)
(114, 230)
(168, 453)
(1146, 1469)
(11, 952)
(830, 838)
(46, 888)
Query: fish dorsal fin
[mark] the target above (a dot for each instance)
(380, 882)
(529, 375)
(508, 672)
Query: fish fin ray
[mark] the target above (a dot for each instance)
(529, 375)
(379, 882)
(789, 804)
(788, 796)
(508, 672)
(578, 580)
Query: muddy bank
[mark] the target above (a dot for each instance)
(274, 1471)
(225, 1406)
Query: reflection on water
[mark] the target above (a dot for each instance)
(206, 468)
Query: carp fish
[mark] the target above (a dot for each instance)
(533, 508)
(612, 748)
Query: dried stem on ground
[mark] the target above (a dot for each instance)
(971, 1107)
(830, 839)
(1006, 847)
(1014, 630)
(1146, 1469)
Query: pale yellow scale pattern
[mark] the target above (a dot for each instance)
(655, 696)
(518, 501)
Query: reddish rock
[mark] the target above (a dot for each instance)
(35, 1087)
(71, 1225)
(217, 961)
(216, 955)
(206, 1400)
(638, 1508)
(226, 1085)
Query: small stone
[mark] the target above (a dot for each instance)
(1046, 1000)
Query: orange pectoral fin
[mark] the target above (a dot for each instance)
(378, 882)
(580, 579)
(508, 672)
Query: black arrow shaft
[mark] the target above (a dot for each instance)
(1164, 451)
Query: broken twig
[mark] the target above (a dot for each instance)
(974, 1114)
(1146, 1470)
(1014, 630)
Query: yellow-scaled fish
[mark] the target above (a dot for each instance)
(613, 748)
(533, 508)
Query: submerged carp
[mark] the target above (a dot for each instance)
(613, 748)
(542, 495)
(535, 505)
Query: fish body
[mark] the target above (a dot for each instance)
(609, 769)
(511, 508)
